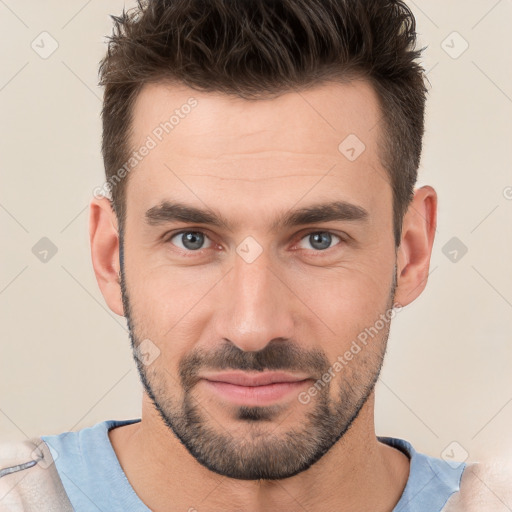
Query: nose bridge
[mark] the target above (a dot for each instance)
(259, 308)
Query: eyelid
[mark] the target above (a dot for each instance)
(171, 234)
(167, 237)
(344, 238)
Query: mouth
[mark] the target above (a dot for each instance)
(243, 388)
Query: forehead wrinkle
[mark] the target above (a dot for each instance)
(252, 179)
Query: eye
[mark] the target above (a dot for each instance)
(319, 240)
(189, 240)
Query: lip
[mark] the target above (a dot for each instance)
(254, 379)
(246, 389)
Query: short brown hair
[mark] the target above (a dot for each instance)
(262, 48)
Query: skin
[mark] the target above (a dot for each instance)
(252, 161)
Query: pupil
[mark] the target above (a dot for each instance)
(192, 240)
(318, 237)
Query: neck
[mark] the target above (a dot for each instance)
(357, 473)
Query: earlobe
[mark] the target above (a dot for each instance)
(413, 255)
(104, 239)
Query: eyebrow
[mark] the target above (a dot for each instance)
(167, 212)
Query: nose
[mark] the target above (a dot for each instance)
(257, 306)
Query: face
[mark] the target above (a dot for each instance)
(255, 242)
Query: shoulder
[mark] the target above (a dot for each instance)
(431, 482)
(485, 486)
(29, 480)
(30, 470)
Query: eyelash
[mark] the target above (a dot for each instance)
(169, 236)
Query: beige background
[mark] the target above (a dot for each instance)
(65, 361)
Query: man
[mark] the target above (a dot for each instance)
(261, 231)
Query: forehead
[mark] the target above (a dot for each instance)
(226, 149)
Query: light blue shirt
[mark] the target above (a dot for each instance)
(95, 482)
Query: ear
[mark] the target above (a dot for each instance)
(413, 255)
(104, 238)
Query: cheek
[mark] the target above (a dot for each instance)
(167, 290)
(345, 302)
(176, 304)
(167, 306)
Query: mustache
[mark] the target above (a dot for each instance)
(278, 354)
